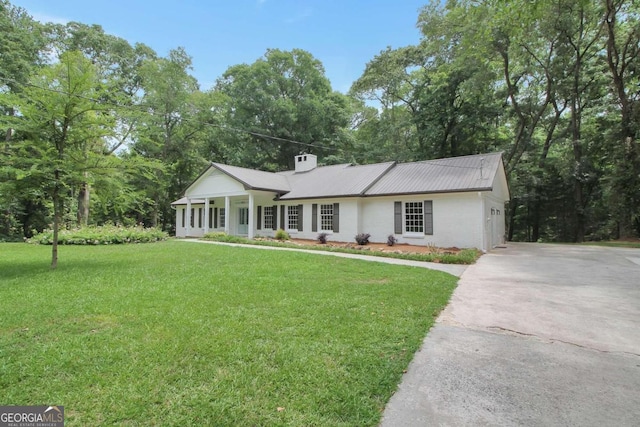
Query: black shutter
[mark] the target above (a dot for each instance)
(275, 217)
(259, 227)
(282, 217)
(300, 218)
(215, 217)
(336, 218)
(193, 211)
(210, 218)
(428, 217)
(314, 217)
(199, 217)
(184, 214)
(397, 217)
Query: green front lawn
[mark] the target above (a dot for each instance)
(177, 334)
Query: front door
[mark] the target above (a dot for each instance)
(243, 220)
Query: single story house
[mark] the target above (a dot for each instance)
(448, 202)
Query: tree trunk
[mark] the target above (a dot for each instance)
(57, 218)
(83, 204)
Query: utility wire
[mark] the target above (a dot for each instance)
(147, 108)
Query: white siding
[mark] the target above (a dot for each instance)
(214, 183)
(198, 228)
(456, 220)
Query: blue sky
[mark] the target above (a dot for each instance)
(344, 35)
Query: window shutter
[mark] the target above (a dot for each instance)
(259, 227)
(184, 214)
(199, 217)
(314, 217)
(300, 218)
(397, 217)
(282, 217)
(210, 218)
(215, 217)
(336, 218)
(428, 217)
(193, 211)
(275, 217)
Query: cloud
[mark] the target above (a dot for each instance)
(41, 17)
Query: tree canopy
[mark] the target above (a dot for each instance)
(96, 129)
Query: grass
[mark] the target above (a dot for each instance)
(465, 256)
(615, 244)
(176, 334)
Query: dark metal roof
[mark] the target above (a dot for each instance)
(455, 174)
(333, 181)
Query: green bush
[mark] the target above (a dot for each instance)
(218, 236)
(101, 235)
(282, 235)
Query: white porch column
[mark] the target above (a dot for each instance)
(251, 221)
(206, 215)
(187, 223)
(227, 214)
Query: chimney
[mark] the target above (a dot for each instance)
(306, 162)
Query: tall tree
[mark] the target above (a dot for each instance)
(280, 98)
(59, 117)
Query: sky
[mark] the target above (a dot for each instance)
(343, 34)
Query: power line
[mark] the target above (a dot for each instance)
(147, 108)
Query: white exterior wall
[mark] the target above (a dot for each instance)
(198, 229)
(214, 183)
(456, 220)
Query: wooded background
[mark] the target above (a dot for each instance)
(98, 130)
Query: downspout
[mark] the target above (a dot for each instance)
(482, 223)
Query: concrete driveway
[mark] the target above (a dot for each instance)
(534, 335)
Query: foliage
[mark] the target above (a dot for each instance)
(101, 235)
(220, 236)
(286, 95)
(391, 240)
(322, 238)
(362, 238)
(281, 235)
(140, 325)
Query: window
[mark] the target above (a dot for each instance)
(268, 217)
(292, 217)
(222, 217)
(413, 217)
(326, 217)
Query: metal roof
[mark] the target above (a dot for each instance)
(467, 173)
(455, 174)
(254, 179)
(333, 181)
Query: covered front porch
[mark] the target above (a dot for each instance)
(232, 214)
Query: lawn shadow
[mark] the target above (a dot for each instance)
(31, 268)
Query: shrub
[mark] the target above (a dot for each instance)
(219, 236)
(362, 238)
(322, 238)
(282, 235)
(101, 235)
(391, 240)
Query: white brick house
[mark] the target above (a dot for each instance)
(446, 202)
